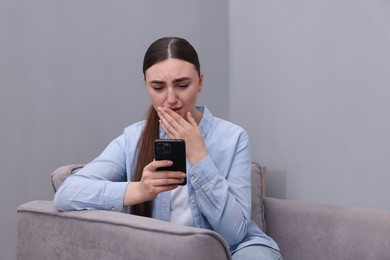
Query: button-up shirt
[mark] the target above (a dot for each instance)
(219, 188)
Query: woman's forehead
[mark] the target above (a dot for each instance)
(171, 69)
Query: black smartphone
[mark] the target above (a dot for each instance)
(173, 150)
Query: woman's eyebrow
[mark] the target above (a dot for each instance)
(175, 81)
(178, 80)
(159, 82)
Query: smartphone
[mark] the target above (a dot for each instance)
(173, 150)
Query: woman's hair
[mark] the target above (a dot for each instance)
(158, 51)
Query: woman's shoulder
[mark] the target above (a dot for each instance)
(137, 126)
(227, 130)
(133, 131)
(217, 128)
(228, 126)
(220, 124)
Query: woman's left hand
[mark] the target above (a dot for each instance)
(179, 128)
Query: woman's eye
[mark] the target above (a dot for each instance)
(183, 85)
(158, 88)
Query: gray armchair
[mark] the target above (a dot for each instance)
(302, 230)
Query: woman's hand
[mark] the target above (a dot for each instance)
(152, 183)
(179, 128)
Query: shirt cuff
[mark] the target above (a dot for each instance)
(202, 172)
(113, 196)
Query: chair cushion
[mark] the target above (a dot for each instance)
(60, 174)
(258, 176)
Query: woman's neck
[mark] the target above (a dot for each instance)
(197, 115)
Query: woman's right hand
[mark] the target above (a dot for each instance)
(152, 183)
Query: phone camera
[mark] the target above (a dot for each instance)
(163, 148)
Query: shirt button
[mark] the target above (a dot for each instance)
(193, 201)
(192, 178)
(113, 209)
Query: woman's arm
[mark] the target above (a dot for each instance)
(101, 184)
(225, 202)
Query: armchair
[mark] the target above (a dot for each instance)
(302, 230)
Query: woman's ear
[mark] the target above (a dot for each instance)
(200, 87)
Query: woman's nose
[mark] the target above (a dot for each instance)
(171, 98)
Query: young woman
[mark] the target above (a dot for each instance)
(217, 195)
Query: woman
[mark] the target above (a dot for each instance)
(217, 194)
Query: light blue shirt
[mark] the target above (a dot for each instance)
(219, 188)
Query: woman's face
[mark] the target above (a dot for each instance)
(175, 84)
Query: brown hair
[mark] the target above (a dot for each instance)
(158, 51)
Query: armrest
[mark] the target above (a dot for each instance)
(45, 233)
(316, 231)
(60, 174)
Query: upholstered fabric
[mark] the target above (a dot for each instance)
(304, 231)
(44, 233)
(308, 231)
(258, 192)
(59, 175)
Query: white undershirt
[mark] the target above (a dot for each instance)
(180, 208)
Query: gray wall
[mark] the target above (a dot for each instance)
(71, 80)
(310, 81)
